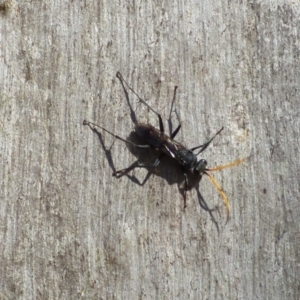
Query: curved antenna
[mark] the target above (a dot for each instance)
(218, 186)
(229, 165)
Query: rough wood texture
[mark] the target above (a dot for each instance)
(68, 229)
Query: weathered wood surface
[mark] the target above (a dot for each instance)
(69, 230)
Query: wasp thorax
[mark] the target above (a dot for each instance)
(187, 158)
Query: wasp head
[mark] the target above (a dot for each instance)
(200, 166)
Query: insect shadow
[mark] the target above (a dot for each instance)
(166, 148)
(168, 170)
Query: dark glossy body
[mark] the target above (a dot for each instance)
(160, 141)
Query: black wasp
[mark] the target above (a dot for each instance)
(158, 140)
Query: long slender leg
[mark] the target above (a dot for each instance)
(174, 133)
(204, 146)
(116, 136)
(186, 184)
(136, 164)
(178, 127)
(173, 100)
(132, 113)
(161, 126)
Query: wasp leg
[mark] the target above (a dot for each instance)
(204, 146)
(161, 126)
(132, 113)
(116, 136)
(174, 133)
(136, 164)
(186, 184)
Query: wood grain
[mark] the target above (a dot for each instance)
(69, 229)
